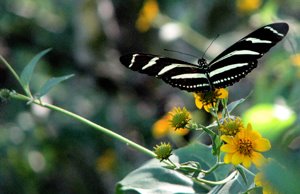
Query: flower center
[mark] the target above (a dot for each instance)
(245, 147)
(210, 97)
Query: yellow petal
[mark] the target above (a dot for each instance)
(249, 126)
(262, 145)
(255, 135)
(227, 138)
(227, 158)
(207, 107)
(223, 93)
(228, 148)
(241, 134)
(247, 161)
(237, 158)
(258, 179)
(258, 159)
(180, 132)
(161, 128)
(198, 103)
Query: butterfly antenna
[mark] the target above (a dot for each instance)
(181, 53)
(210, 45)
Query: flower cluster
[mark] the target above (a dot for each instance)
(241, 144)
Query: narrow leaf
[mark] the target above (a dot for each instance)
(27, 72)
(50, 84)
(234, 104)
(242, 173)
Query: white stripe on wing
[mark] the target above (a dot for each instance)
(233, 53)
(189, 76)
(172, 66)
(226, 68)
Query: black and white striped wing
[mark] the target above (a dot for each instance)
(239, 59)
(177, 73)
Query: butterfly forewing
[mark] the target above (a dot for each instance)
(226, 69)
(239, 59)
(175, 72)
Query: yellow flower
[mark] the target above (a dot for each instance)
(245, 147)
(107, 161)
(261, 181)
(180, 118)
(146, 16)
(208, 100)
(296, 59)
(161, 127)
(246, 6)
(168, 124)
(231, 126)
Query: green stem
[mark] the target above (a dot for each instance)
(174, 165)
(216, 116)
(85, 121)
(213, 167)
(230, 177)
(14, 74)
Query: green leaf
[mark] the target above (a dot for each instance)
(217, 142)
(234, 104)
(242, 173)
(153, 178)
(27, 72)
(236, 185)
(50, 84)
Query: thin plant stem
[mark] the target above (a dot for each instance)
(14, 74)
(221, 182)
(87, 122)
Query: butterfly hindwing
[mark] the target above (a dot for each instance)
(177, 73)
(239, 59)
(226, 69)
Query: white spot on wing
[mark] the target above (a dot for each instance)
(151, 63)
(256, 40)
(133, 60)
(226, 68)
(274, 31)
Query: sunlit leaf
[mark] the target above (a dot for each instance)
(153, 178)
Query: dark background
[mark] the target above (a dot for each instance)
(47, 152)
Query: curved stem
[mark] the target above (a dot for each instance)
(230, 177)
(87, 122)
(214, 167)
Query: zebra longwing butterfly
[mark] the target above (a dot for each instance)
(226, 69)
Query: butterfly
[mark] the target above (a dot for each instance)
(226, 69)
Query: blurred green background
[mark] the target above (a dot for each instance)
(46, 152)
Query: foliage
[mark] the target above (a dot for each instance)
(45, 152)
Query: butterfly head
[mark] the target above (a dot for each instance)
(202, 64)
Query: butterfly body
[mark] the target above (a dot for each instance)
(226, 69)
